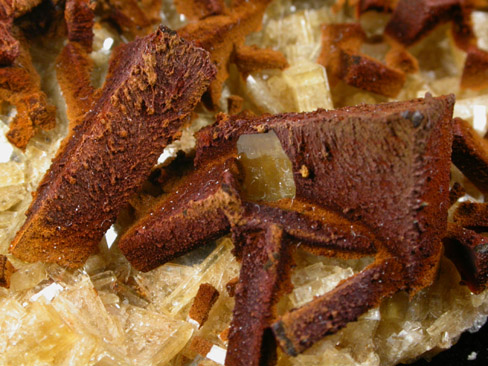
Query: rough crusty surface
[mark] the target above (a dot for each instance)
(472, 215)
(188, 217)
(377, 182)
(80, 17)
(151, 90)
(205, 298)
(263, 266)
(414, 19)
(469, 252)
(470, 154)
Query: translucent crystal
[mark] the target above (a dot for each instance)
(28, 276)
(268, 173)
(473, 110)
(217, 269)
(479, 21)
(315, 280)
(309, 87)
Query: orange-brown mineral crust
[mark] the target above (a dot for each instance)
(79, 15)
(473, 215)
(20, 86)
(152, 89)
(205, 298)
(468, 250)
(470, 154)
(341, 57)
(377, 183)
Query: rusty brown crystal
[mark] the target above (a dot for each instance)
(111, 152)
(352, 148)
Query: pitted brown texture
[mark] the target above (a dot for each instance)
(199, 9)
(470, 154)
(6, 270)
(9, 44)
(377, 184)
(145, 100)
(205, 298)
(20, 86)
(469, 252)
(414, 19)
(73, 71)
(472, 215)
(456, 192)
(222, 34)
(79, 16)
(399, 58)
(263, 267)
(341, 57)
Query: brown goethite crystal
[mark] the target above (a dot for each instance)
(79, 15)
(20, 86)
(468, 251)
(470, 154)
(341, 56)
(341, 160)
(472, 215)
(148, 95)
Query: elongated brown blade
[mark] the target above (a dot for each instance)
(155, 86)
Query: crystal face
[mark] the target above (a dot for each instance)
(268, 174)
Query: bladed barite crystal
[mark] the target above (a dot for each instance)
(351, 155)
(147, 97)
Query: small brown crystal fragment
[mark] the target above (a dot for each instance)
(475, 72)
(414, 19)
(199, 9)
(470, 154)
(200, 346)
(79, 15)
(341, 57)
(73, 71)
(368, 74)
(472, 215)
(20, 86)
(221, 34)
(302, 327)
(6, 270)
(147, 97)
(249, 59)
(456, 192)
(205, 298)
(399, 58)
(469, 252)
(234, 104)
(337, 38)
